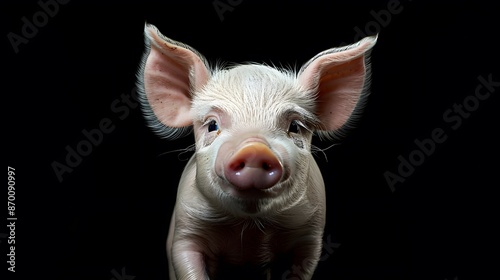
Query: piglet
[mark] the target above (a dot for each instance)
(251, 200)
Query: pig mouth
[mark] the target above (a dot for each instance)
(250, 202)
(251, 195)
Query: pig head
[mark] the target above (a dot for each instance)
(251, 199)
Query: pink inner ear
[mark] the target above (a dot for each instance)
(169, 75)
(166, 84)
(339, 90)
(338, 77)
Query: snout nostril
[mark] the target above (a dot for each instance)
(238, 166)
(266, 166)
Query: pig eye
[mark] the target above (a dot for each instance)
(213, 126)
(294, 127)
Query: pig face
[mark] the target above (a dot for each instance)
(253, 124)
(253, 127)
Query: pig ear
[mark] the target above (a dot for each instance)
(169, 74)
(340, 79)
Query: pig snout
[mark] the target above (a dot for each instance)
(252, 166)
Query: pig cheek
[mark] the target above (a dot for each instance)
(296, 162)
(205, 173)
(224, 151)
(207, 147)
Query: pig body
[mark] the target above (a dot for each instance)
(251, 200)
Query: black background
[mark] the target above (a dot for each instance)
(112, 211)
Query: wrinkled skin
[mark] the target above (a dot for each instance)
(251, 200)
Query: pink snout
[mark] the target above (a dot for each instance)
(253, 166)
